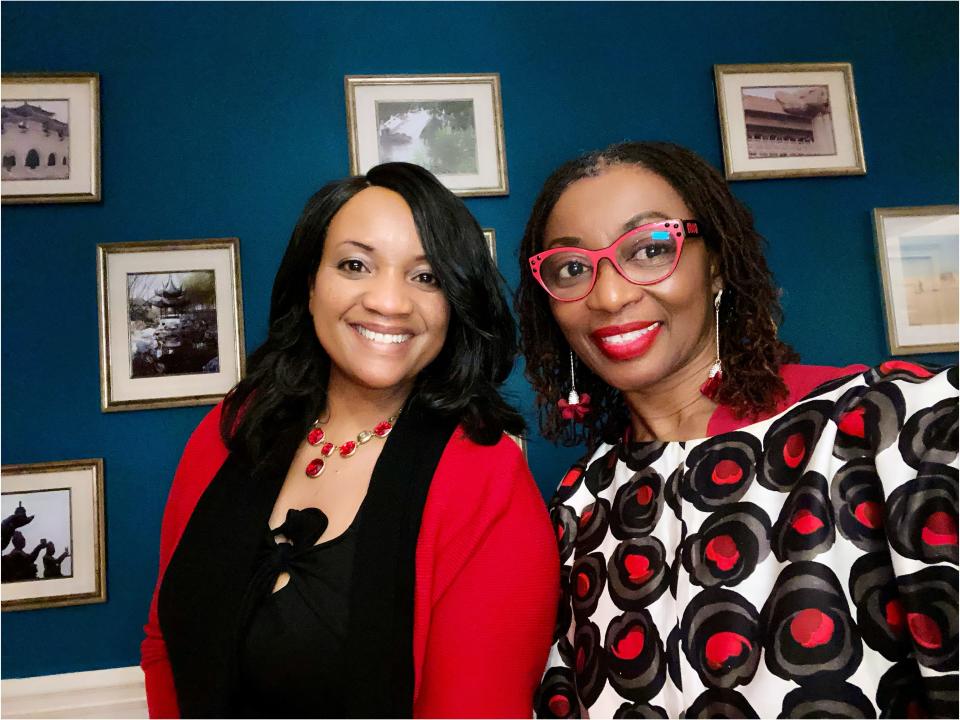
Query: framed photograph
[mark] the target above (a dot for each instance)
(54, 551)
(521, 442)
(171, 322)
(790, 120)
(490, 235)
(917, 250)
(450, 124)
(50, 138)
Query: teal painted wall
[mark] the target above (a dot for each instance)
(221, 119)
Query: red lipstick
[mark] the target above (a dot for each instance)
(626, 342)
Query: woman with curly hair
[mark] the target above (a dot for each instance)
(748, 537)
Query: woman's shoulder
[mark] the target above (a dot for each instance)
(500, 465)
(801, 380)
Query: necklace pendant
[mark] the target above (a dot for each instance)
(383, 429)
(315, 467)
(364, 437)
(347, 449)
(327, 449)
(315, 436)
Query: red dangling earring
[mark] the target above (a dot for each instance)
(711, 385)
(576, 407)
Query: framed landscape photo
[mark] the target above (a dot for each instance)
(917, 250)
(788, 120)
(54, 551)
(490, 235)
(50, 138)
(171, 322)
(450, 124)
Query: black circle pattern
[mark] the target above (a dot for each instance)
(855, 497)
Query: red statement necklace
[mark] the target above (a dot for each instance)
(316, 437)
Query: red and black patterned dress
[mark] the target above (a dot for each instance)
(802, 566)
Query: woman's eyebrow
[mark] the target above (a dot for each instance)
(358, 244)
(641, 219)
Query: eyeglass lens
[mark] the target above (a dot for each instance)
(645, 255)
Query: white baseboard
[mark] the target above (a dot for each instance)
(114, 693)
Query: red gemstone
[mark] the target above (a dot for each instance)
(327, 449)
(315, 436)
(347, 449)
(315, 467)
(383, 428)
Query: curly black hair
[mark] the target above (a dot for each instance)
(751, 352)
(287, 380)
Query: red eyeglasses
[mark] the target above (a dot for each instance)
(644, 255)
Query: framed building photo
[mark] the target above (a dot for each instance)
(54, 551)
(917, 250)
(790, 120)
(490, 235)
(450, 124)
(50, 138)
(171, 322)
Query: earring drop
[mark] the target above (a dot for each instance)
(711, 385)
(576, 406)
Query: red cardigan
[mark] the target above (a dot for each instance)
(486, 585)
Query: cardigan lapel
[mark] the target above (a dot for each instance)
(379, 654)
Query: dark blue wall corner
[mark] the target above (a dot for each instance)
(220, 119)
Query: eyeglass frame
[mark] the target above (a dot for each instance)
(681, 228)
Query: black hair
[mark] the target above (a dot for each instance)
(286, 384)
(750, 312)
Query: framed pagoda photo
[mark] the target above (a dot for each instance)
(50, 138)
(450, 124)
(919, 260)
(54, 547)
(171, 322)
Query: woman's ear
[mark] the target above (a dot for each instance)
(716, 279)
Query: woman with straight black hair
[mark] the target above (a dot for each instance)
(351, 533)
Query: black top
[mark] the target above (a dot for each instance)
(291, 654)
(206, 585)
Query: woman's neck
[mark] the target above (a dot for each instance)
(354, 408)
(673, 409)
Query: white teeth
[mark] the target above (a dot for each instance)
(382, 337)
(628, 337)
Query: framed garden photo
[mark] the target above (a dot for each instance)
(450, 124)
(50, 138)
(54, 549)
(788, 120)
(490, 235)
(171, 322)
(917, 251)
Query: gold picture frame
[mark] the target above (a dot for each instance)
(53, 506)
(51, 138)
(490, 235)
(787, 120)
(159, 330)
(451, 124)
(917, 260)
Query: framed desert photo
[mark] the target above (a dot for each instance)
(917, 250)
(50, 138)
(53, 535)
(171, 322)
(490, 235)
(791, 120)
(450, 124)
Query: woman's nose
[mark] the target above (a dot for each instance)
(388, 294)
(611, 291)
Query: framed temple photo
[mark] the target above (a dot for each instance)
(788, 120)
(54, 549)
(171, 322)
(917, 253)
(50, 138)
(490, 235)
(450, 124)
